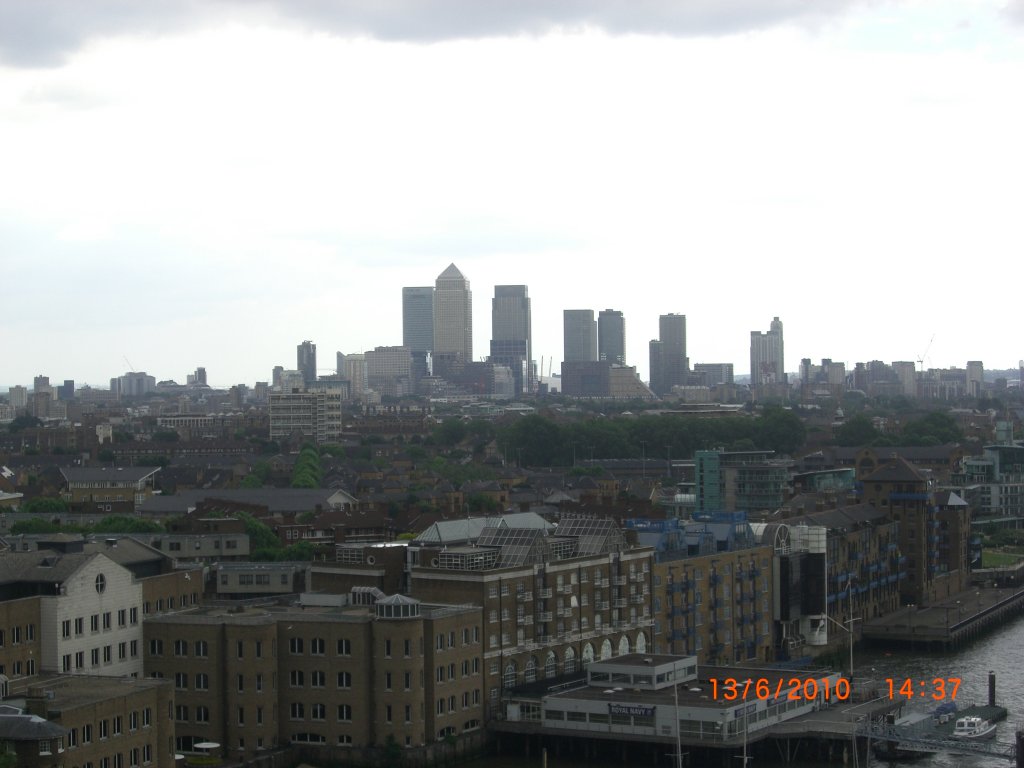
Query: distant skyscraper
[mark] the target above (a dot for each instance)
(306, 361)
(611, 336)
(453, 320)
(669, 364)
(767, 360)
(579, 333)
(511, 334)
(418, 318)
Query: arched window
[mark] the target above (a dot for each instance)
(606, 649)
(641, 642)
(530, 672)
(570, 660)
(588, 654)
(511, 673)
(624, 645)
(551, 665)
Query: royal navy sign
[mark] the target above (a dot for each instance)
(634, 710)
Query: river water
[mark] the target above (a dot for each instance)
(1001, 652)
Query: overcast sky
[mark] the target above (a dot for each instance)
(211, 182)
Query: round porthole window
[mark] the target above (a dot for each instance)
(101, 583)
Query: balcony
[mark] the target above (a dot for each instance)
(602, 605)
(544, 593)
(637, 599)
(524, 597)
(566, 589)
(619, 602)
(565, 612)
(619, 581)
(525, 619)
(602, 583)
(544, 616)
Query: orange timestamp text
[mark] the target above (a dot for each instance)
(792, 689)
(938, 688)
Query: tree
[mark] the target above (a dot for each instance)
(37, 525)
(126, 524)
(47, 505)
(934, 429)
(857, 431)
(23, 422)
(165, 436)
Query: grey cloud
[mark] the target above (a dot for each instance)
(43, 32)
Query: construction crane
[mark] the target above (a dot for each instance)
(923, 355)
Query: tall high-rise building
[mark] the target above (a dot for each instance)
(611, 336)
(579, 334)
(453, 321)
(305, 355)
(669, 364)
(767, 360)
(418, 318)
(511, 344)
(418, 328)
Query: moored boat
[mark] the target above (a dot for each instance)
(973, 727)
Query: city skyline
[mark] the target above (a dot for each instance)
(808, 157)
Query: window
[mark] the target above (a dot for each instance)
(118, 722)
(87, 734)
(107, 651)
(387, 647)
(317, 678)
(72, 738)
(180, 713)
(134, 646)
(181, 648)
(181, 681)
(79, 659)
(94, 656)
(295, 645)
(79, 626)
(345, 713)
(202, 714)
(407, 648)
(241, 715)
(344, 646)
(202, 682)
(133, 616)
(156, 647)
(202, 649)
(133, 758)
(94, 623)
(122, 651)
(240, 648)
(316, 646)
(407, 681)
(106, 621)
(298, 710)
(65, 663)
(345, 679)
(147, 717)
(65, 629)
(318, 712)
(105, 728)
(147, 753)
(133, 721)
(296, 678)
(387, 713)
(259, 649)
(241, 683)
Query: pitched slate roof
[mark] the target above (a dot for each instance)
(107, 474)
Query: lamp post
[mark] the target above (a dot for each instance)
(849, 629)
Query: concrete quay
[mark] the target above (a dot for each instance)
(946, 624)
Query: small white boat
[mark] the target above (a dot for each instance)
(974, 727)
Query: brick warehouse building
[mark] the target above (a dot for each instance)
(333, 678)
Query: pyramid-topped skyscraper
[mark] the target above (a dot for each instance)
(453, 319)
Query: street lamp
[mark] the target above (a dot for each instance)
(850, 630)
